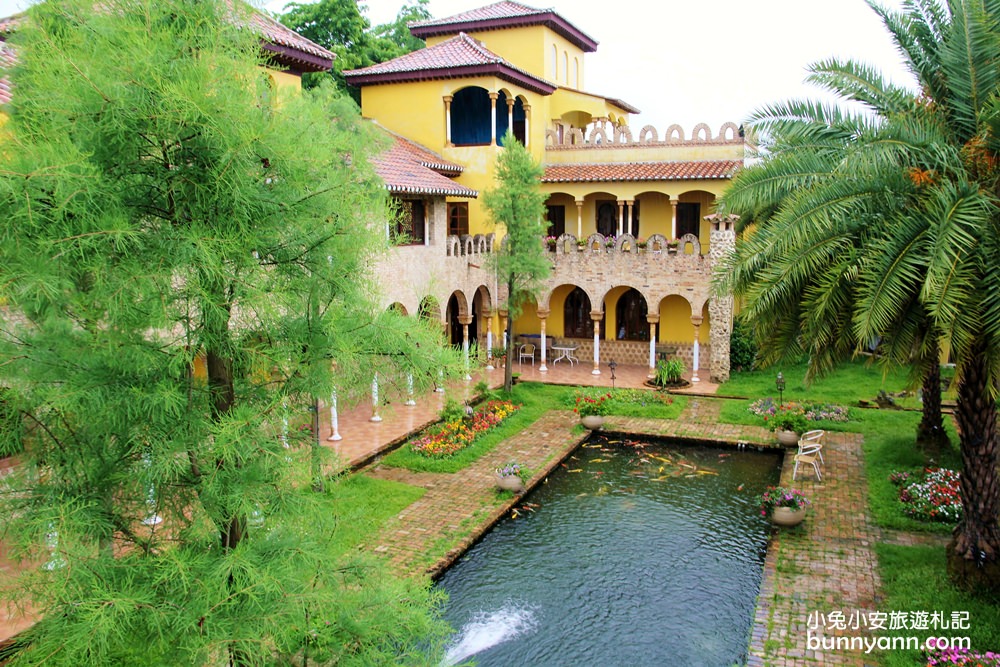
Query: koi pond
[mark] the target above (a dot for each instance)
(633, 553)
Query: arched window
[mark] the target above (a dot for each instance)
(566, 66)
(607, 218)
(555, 62)
(576, 73)
(503, 118)
(630, 317)
(470, 117)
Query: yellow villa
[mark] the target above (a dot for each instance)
(632, 227)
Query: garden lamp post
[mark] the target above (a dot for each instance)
(780, 384)
(612, 365)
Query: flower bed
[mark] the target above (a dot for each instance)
(813, 412)
(455, 435)
(960, 657)
(934, 498)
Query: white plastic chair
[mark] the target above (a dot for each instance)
(811, 439)
(526, 351)
(809, 455)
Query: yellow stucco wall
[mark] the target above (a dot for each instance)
(675, 320)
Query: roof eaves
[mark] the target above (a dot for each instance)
(499, 69)
(548, 18)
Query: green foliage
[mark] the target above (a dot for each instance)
(159, 208)
(452, 411)
(786, 420)
(669, 371)
(517, 205)
(742, 346)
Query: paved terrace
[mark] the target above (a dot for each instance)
(827, 564)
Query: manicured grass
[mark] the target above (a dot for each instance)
(915, 579)
(849, 383)
(363, 504)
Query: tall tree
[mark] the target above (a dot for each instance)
(518, 204)
(882, 224)
(159, 206)
(340, 25)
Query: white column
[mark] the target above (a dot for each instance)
(493, 118)
(447, 119)
(439, 387)
(489, 346)
(542, 368)
(152, 518)
(56, 561)
(621, 216)
(579, 220)
(628, 215)
(694, 369)
(409, 390)
(597, 343)
(334, 420)
(673, 219)
(376, 417)
(465, 347)
(510, 114)
(652, 349)
(527, 124)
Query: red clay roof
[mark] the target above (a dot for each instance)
(501, 15)
(641, 171)
(460, 56)
(409, 168)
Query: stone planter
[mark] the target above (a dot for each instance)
(593, 422)
(787, 438)
(786, 516)
(510, 483)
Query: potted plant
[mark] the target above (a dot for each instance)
(550, 243)
(787, 426)
(510, 477)
(592, 410)
(783, 506)
(672, 245)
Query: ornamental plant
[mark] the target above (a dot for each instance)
(962, 657)
(787, 420)
(589, 406)
(933, 498)
(779, 496)
(774, 415)
(511, 470)
(455, 435)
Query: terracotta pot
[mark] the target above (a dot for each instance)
(787, 438)
(786, 516)
(593, 422)
(510, 483)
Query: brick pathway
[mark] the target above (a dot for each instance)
(826, 564)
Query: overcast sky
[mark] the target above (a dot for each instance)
(691, 61)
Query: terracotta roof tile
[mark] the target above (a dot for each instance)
(459, 56)
(641, 171)
(408, 168)
(501, 15)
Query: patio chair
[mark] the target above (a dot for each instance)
(808, 455)
(526, 351)
(811, 438)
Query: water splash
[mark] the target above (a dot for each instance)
(487, 629)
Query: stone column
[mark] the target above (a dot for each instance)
(527, 124)
(503, 326)
(696, 321)
(334, 421)
(628, 215)
(597, 316)
(447, 120)
(579, 219)
(722, 240)
(673, 218)
(542, 315)
(493, 118)
(376, 417)
(621, 215)
(465, 321)
(653, 320)
(510, 114)
(488, 318)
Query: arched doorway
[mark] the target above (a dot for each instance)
(630, 316)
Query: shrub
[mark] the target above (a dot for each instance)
(669, 371)
(587, 406)
(742, 346)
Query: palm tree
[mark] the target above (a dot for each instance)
(879, 223)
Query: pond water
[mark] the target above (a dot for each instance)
(634, 553)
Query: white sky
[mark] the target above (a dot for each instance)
(691, 61)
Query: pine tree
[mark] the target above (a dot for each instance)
(161, 204)
(518, 204)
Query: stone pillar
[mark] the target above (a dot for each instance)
(510, 114)
(579, 219)
(597, 316)
(722, 241)
(653, 320)
(447, 120)
(628, 215)
(376, 417)
(465, 321)
(503, 326)
(493, 118)
(488, 318)
(527, 124)
(696, 321)
(409, 390)
(542, 315)
(673, 218)
(621, 216)
(334, 421)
